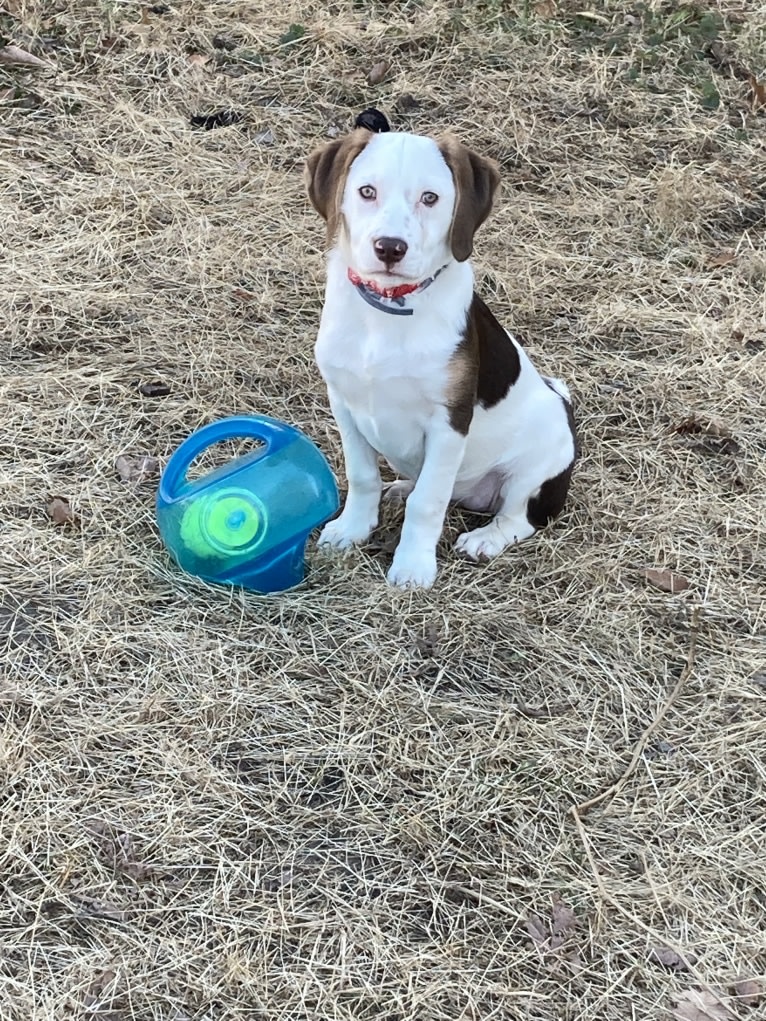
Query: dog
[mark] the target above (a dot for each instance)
(417, 368)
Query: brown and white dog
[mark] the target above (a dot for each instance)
(417, 368)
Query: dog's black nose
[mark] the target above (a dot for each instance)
(390, 250)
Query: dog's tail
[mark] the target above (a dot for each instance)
(559, 386)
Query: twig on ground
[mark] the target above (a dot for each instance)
(585, 806)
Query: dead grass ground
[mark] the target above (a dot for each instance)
(349, 802)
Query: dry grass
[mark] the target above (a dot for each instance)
(347, 802)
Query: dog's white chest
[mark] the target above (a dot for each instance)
(390, 392)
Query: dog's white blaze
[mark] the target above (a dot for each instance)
(401, 168)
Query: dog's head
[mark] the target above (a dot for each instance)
(400, 206)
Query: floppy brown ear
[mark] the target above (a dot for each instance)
(476, 180)
(325, 175)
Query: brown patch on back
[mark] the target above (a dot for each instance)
(326, 172)
(483, 368)
(499, 363)
(476, 181)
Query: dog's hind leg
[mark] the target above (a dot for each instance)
(522, 511)
(397, 492)
(509, 526)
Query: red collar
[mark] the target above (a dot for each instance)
(385, 292)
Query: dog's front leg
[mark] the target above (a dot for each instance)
(360, 513)
(414, 563)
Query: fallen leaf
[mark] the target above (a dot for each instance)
(671, 959)
(573, 963)
(116, 848)
(564, 919)
(407, 102)
(659, 748)
(378, 72)
(668, 581)
(759, 91)
(551, 938)
(711, 97)
(383, 542)
(154, 389)
(716, 439)
(14, 55)
(266, 137)
(60, 512)
(222, 43)
(292, 35)
(98, 987)
(13, 697)
(693, 425)
(722, 259)
(137, 469)
(111, 43)
(220, 119)
(546, 9)
(717, 445)
(700, 1005)
(198, 59)
(718, 55)
(428, 643)
(89, 907)
(747, 991)
(537, 929)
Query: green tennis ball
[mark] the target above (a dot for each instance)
(211, 528)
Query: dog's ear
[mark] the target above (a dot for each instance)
(476, 180)
(325, 176)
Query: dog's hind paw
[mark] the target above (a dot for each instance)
(397, 492)
(488, 541)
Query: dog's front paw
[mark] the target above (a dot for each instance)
(345, 531)
(412, 571)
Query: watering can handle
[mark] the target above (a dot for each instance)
(270, 431)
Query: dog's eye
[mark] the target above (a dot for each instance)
(367, 192)
(429, 198)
